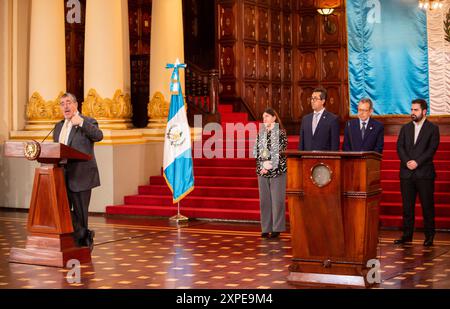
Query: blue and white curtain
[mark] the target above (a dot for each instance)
(398, 52)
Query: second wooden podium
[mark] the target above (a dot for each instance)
(49, 240)
(333, 200)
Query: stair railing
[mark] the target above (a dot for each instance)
(202, 94)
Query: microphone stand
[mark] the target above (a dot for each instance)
(48, 134)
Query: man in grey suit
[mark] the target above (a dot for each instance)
(320, 129)
(79, 132)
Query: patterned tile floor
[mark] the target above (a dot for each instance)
(148, 253)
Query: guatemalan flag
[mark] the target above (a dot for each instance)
(178, 166)
(398, 52)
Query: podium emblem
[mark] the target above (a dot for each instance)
(321, 175)
(31, 150)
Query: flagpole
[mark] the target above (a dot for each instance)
(180, 135)
(179, 217)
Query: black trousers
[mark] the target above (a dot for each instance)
(425, 189)
(79, 205)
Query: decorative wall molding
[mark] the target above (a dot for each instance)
(112, 113)
(274, 53)
(158, 110)
(40, 110)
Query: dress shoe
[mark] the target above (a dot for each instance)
(274, 234)
(265, 235)
(428, 241)
(403, 240)
(80, 243)
(90, 240)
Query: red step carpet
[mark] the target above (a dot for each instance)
(227, 188)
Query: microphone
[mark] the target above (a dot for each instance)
(48, 135)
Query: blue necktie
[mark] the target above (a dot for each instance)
(363, 130)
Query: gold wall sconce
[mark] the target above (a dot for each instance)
(330, 27)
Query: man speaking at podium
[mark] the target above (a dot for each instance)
(79, 132)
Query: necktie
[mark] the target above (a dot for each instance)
(363, 130)
(63, 133)
(315, 122)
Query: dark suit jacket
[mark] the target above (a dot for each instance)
(326, 136)
(422, 152)
(373, 138)
(82, 175)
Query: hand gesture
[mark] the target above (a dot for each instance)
(267, 165)
(76, 120)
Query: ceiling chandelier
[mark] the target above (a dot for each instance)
(430, 4)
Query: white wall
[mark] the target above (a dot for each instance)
(122, 169)
(16, 181)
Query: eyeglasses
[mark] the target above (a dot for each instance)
(67, 103)
(313, 99)
(363, 110)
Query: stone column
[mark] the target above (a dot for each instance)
(107, 64)
(47, 77)
(167, 44)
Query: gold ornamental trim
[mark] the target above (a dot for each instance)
(117, 108)
(158, 107)
(40, 110)
(447, 26)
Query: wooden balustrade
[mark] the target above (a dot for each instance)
(202, 94)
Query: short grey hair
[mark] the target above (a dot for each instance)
(368, 101)
(72, 97)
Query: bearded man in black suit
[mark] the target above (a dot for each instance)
(417, 143)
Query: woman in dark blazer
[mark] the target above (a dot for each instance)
(271, 170)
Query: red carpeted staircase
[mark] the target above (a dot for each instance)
(227, 188)
(391, 207)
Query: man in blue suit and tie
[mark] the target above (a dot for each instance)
(320, 129)
(364, 133)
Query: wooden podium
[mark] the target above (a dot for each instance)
(49, 240)
(333, 200)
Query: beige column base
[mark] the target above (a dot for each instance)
(113, 124)
(157, 123)
(40, 125)
(112, 114)
(110, 137)
(41, 114)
